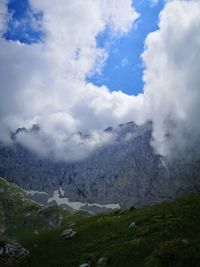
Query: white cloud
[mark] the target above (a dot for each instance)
(45, 83)
(154, 2)
(3, 16)
(61, 146)
(124, 62)
(119, 14)
(172, 90)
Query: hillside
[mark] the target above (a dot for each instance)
(164, 235)
(21, 218)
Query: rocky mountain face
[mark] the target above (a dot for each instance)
(12, 253)
(126, 171)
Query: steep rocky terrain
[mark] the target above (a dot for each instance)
(21, 218)
(125, 172)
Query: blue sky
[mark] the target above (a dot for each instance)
(52, 84)
(20, 26)
(123, 68)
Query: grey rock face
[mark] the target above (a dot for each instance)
(102, 261)
(68, 233)
(11, 253)
(84, 265)
(132, 225)
(126, 171)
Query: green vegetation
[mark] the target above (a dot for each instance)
(164, 235)
(21, 218)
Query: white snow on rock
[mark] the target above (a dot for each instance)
(77, 205)
(33, 192)
(60, 199)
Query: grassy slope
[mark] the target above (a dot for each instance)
(165, 235)
(20, 217)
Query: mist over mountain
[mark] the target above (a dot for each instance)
(125, 172)
(49, 86)
(99, 133)
(53, 116)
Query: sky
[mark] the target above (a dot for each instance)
(20, 26)
(123, 68)
(76, 65)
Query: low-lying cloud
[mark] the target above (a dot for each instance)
(45, 83)
(172, 84)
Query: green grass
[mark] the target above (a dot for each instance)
(165, 235)
(21, 218)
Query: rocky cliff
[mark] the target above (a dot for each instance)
(125, 172)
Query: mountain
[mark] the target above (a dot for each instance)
(22, 218)
(164, 235)
(123, 173)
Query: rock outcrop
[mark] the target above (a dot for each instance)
(68, 233)
(11, 253)
(126, 171)
(84, 265)
(102, 262)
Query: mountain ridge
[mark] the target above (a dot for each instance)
(126, 172)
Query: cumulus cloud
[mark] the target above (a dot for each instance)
(45, 83)
(172, 84)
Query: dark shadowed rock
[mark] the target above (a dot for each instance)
(102, 262)
(84, 265)
(68, 233)
(11, 253)
(132, 225)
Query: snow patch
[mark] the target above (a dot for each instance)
(77, 205)
(33, 192)
(60, 199)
